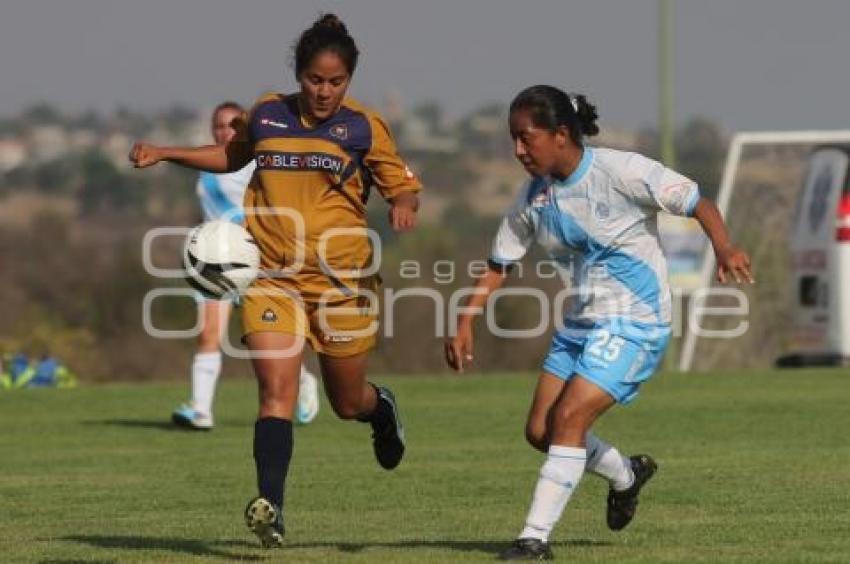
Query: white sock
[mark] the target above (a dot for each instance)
(205, 370)
(306, 378)
(606, 461)
(559, 477)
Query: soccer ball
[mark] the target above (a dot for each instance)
(221, 259)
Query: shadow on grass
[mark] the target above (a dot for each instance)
(75, 561)
(491, 547)
(182, 546)
(163, 425)
(158, 425)
(200, 548)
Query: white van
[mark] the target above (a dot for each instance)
(820, 262)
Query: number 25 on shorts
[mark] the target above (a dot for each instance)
(605, 346)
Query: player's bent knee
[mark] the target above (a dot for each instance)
(536, 436)
(347, 409)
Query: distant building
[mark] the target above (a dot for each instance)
(12, 153)
(47, 142)
(82, 139)
(415, 136)
(116, 146)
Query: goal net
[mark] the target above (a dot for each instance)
(762, 181)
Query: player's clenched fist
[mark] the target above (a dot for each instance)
(144, 154)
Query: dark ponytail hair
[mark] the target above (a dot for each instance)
(327, 33)
(551, 108)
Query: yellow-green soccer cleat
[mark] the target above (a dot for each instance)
(265, 520)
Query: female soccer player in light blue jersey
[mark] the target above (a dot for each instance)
(221, 197)
(594, 211)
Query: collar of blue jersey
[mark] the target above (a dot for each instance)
(578, 174)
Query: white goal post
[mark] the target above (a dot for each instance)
(727, 186)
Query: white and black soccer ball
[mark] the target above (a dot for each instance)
(221, 259)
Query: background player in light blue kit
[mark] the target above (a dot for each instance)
(594, 211)
(221, 197)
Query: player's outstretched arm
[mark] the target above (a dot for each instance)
(211, 158)
(731, 261)
(459, 348)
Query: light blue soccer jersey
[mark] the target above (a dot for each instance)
(221, 195)
(599, 226)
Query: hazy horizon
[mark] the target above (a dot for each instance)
(760, 64)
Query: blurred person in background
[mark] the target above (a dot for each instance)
(221, 197)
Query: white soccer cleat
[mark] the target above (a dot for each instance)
(308, 398)
(188, 417)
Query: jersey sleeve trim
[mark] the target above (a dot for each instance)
(501, 262)
(499, 266)
(691, 206)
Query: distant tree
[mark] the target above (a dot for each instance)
(104, 188)
(10, 127)
(133, 123)
(55, 176)
(431, 113)
(700, 150)
(648, 143)
(445, 172)
(172, 191)
(483, 133)
(42, 113)
(89, 119)
(176, 118)
(460, 218)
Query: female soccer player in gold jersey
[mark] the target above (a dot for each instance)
(317, 154)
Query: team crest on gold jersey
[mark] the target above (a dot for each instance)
(340, 131)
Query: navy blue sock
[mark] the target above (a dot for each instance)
(272, 452)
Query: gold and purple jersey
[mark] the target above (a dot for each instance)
(306, 205)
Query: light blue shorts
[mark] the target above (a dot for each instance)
(615, 354)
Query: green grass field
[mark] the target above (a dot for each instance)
(753, 468)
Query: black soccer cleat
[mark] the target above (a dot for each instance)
(622, 505)
(388, 435)
(265, 520)
(528, 549)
